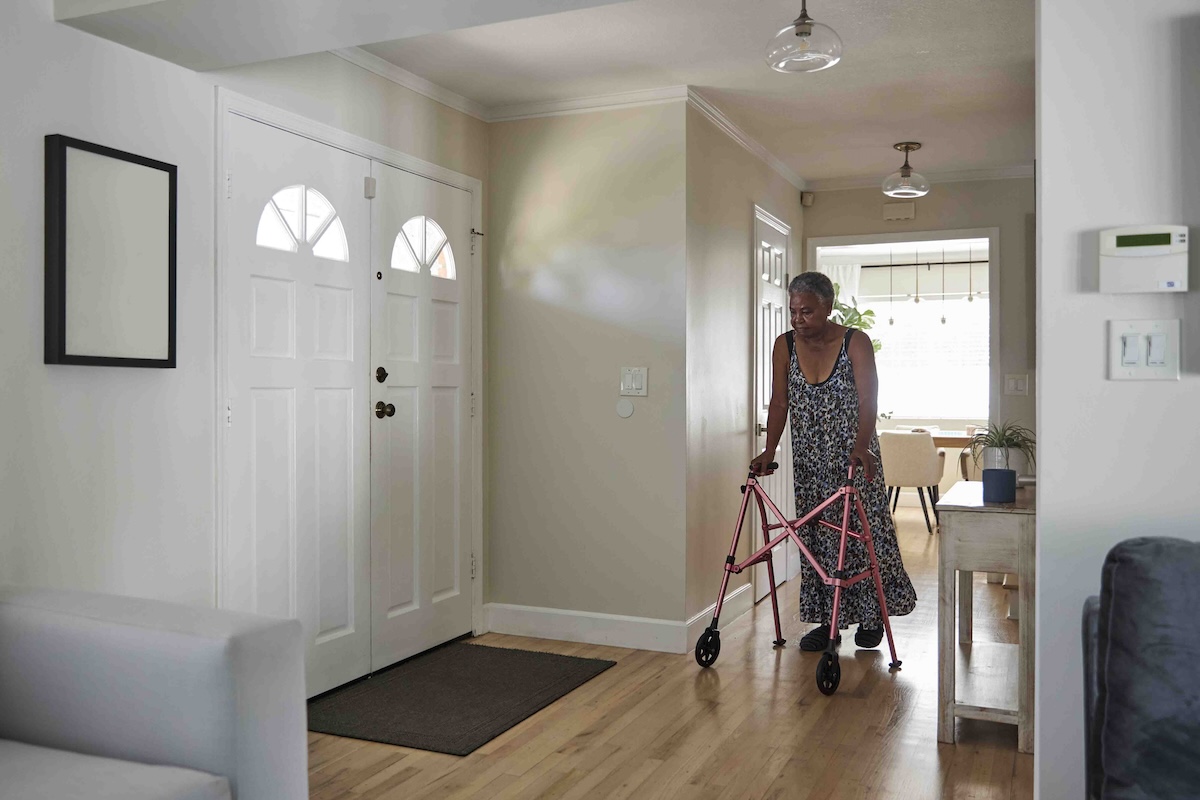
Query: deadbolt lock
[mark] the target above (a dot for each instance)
(381, 374)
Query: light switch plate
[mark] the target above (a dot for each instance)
(1016, 385)
(1130, 341)
(634, 382)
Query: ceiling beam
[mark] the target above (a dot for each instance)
(211, 34)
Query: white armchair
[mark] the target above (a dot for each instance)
(115, 697)
(910, 460)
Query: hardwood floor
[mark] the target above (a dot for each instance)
(753, 726)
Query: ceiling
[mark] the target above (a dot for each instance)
(956, 75)
(211, 34)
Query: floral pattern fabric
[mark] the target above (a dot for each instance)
(824, 418)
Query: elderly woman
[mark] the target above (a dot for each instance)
(824, 374)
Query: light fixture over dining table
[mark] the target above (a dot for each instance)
(804, 46)
(905, 182)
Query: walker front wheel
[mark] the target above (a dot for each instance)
(829, 673)
(708, 647)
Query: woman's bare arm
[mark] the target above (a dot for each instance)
(866, 381)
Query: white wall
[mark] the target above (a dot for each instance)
(587, 267)
(107, 474)
(1116, 145)
(724, 183)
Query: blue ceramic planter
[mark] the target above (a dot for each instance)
(999, 485)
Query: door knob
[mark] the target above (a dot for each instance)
(381, 374)
(762, 429)
(384, 410)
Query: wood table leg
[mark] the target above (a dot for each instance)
(966, 600)
(1027, 571)
(946, 644)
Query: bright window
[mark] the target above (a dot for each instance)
(296, 214)
(422, 243)
(932, 320)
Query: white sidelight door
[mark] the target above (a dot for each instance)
(421, 562)
(296, 292)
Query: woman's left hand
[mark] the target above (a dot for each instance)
(863, 456)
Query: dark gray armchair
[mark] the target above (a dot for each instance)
(1141, 652)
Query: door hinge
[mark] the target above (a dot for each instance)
(472, 404)
(474, 235)
(228, 185)
(369, 187)
(472, 566)
(228, 413)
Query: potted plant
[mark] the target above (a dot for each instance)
(848, 314)
(993, 448)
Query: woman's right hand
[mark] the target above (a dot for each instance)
(762, 465)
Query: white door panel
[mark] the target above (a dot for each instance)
(296, 289)
(420, 457)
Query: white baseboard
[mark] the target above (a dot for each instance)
(737, 602)
(615, 630)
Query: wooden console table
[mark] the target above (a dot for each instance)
(985, 537)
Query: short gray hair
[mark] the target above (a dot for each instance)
(817, 283)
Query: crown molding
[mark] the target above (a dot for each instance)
(579, 105)
(999, 173)
(718, 118)
(386, 69)
(583, 105)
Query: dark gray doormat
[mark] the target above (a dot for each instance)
(451, 700)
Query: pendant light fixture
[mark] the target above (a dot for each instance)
(971, 274)
(804, 46)
(943, 286)
(891, 297)
(906, 183)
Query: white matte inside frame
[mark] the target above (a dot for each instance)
(117, 259)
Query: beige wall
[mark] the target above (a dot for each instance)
(1004, 204)
(724, 182)
(586, 235)
(335, 92)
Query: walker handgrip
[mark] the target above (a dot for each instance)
(772, 466)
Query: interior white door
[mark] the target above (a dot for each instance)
(771, 321)
(296, 288)
(420, 456)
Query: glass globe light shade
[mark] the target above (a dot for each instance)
(804, 46)
(905, 183)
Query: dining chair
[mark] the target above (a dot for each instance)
(910, 459)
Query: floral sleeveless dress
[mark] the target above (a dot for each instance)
(824, 419)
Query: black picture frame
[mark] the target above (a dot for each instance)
(110, 256)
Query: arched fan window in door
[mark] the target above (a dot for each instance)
(422, 243)
(299, 215)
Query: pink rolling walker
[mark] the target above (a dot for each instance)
(829, 672)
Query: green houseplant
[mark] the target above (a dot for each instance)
(1002, 437)
(851, 317)
(993, 446)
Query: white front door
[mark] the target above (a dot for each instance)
(771, 274)
(296, 288)
(420, 455)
